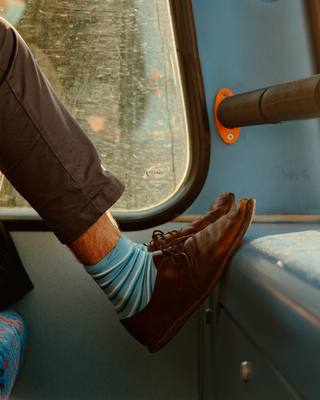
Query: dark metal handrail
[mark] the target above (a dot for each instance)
(285, 102)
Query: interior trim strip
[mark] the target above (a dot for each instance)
(26, 219)
(272, 218)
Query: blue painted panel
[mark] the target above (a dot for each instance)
(246, 45)
(233, 348)
(272, 290)
(78, 350)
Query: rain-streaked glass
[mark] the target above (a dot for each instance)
(114, 65)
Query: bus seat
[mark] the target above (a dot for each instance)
(272, 291)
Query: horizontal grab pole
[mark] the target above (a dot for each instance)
(289, 101)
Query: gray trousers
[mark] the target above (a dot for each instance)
(43, 152)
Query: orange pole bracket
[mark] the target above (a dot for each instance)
(228, 135)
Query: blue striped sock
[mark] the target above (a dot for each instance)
(127, 275)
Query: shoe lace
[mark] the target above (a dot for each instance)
(176, 252)
(160, 239)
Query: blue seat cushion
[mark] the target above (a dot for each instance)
(272, 291)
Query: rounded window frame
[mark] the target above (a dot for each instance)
(198, 124)
(199, 139)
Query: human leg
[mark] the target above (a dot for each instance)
(97, 241)
(50, 161)
(44, 153)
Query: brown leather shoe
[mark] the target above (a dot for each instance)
(187, 271)
(220, 207)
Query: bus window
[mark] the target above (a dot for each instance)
(115, 67)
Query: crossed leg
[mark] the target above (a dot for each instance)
(51, 162)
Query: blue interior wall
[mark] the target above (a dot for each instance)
(247, 45)
(78, 350)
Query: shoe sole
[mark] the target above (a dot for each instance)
(178, 324)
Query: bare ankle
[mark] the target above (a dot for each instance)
(97, 241)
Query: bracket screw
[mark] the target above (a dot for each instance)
(246, 371)
(230, 136)
(209, 316)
